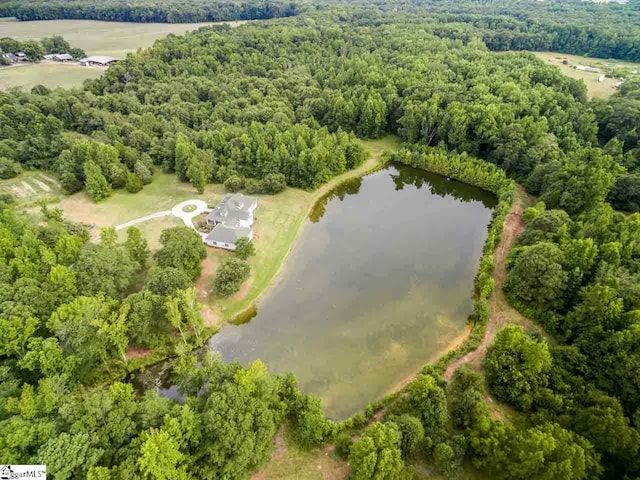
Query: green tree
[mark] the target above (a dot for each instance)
(517, 367)
(137, 246)
(182, 248)
(96, 184)
(376, 455)
(166, 281)
(245, 248)
(133, 183)
(161, 458)
(230, 276)
(537, 277)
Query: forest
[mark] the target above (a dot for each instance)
(288, 98)
(143, 11)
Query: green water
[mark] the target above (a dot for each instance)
(379, 282)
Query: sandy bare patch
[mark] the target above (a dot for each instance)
(28, 188)
(43, 186)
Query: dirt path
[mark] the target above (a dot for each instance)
(501, 312)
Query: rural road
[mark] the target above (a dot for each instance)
(199, 206)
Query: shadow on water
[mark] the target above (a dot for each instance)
(379, 282)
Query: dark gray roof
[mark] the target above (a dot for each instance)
(232, 209)
(224, 234)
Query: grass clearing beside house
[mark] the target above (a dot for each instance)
(595, 89)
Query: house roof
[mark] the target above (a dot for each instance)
(224, 234)
(241, 202)
(233, 209)
(101, 59)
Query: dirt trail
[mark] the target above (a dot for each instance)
(501, 312)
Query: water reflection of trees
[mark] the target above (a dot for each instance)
(403, 175)
(349, 187)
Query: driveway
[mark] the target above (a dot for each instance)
(199, 206)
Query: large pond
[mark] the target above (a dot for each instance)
(378, 284)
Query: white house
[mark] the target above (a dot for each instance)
(235, 210)
(226, 237)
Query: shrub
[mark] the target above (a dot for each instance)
(343, 445)
(245, 248)
(274, 183)
(253, 186)
(230, 276)
(233, 183)
(134, 184)
(9, 168)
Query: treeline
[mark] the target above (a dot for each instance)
(286, 107)
(143, 11)
(604, 30)
(34, 50)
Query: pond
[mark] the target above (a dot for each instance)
(378, 284)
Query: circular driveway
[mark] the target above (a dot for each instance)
(199, 206)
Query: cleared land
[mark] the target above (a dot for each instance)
(30, 187)
(595, 88)
(115, 39)
(51, 75)
(98, 38)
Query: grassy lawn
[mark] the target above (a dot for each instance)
(30, 187)
(115, 39)
(50, 75)
(595, 88)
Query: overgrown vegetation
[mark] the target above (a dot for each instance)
(262, 106)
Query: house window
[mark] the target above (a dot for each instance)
(226, 245)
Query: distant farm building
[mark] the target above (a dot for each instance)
(59, 57)
(586, 68)
(98, 61)
(14, 57)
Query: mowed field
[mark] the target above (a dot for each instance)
(115, 39)
(50, 75)
(595, 88)
(31, 187)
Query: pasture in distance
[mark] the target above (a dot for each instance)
(595, 88)
(114, 39)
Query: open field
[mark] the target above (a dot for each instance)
(98, 38)
(30, 187)
(595, 88)
(115, 39)
(50, 75)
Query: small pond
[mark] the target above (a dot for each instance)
(378, 284)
